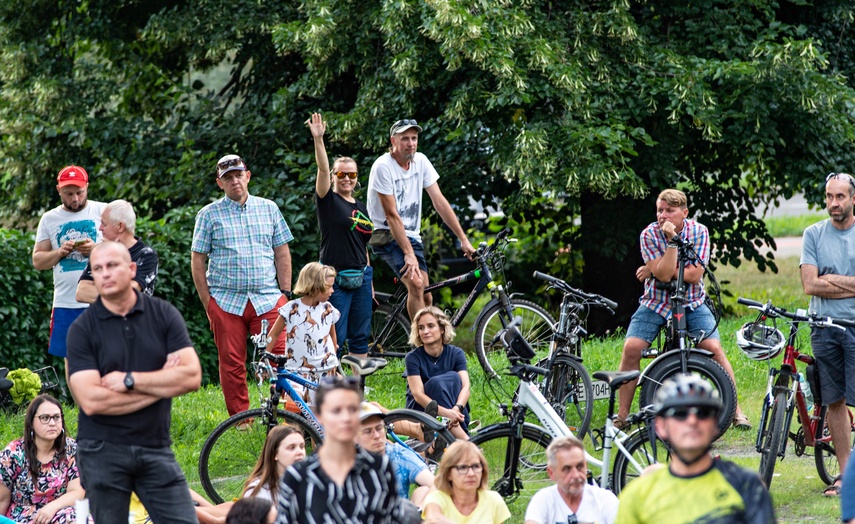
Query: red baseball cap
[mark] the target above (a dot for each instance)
(72, 176)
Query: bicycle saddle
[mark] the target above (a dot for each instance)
(616, 379)
(364, 366)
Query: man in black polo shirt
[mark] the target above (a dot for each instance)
(128, 355)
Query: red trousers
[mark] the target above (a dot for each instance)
(230, 336)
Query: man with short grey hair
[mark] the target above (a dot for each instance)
(571, 497)
(118, 223)
(828, 276)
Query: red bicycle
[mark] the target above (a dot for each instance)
(784, 393)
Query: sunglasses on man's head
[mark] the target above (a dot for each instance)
(232, 162)
(840, 176)
(405, 122)
(341, 174)
(700, 412)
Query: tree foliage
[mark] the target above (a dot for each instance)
(603, 102)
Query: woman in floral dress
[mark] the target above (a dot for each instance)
(39, 482)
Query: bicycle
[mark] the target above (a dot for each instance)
(568, 386)
(390, 330)
(678, 352)
(516, 449)
(784, 394)
(233, 447)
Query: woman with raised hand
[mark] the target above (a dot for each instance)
(345, 231)
(39, 481)
(462, 496)
(437, 376)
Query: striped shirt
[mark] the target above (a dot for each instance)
(368, 496)
(653, 245)
(239, 240)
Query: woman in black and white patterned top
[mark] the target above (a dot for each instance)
(340, 484)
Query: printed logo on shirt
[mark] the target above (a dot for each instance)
(361, 223)
(75, 231)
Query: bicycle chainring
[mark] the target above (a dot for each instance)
(799, 442)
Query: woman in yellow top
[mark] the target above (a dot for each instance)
(462, 496)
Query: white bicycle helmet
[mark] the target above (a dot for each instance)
(686, 390)
(759, 341)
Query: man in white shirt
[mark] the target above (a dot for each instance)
(571, 499)
(395, 205)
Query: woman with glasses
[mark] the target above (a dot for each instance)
(39, 482)
(340, 483)
(345, 231)
(462, 496)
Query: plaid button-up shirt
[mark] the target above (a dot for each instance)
(653, 245)
(239, 240)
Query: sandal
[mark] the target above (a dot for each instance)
(832, 490)
(740, 421)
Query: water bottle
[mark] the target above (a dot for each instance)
(807, 392)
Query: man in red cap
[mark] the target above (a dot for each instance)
(64, 239)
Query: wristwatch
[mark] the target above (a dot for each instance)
(287, 294)
(460, 406)
(129, 381)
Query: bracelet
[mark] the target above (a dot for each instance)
(287, 294)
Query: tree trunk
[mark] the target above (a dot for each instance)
(610, 232)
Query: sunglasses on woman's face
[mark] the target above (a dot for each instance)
(342, 174)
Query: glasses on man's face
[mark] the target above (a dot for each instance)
(465, 468)
(47, 419)
(341, 174)
(380, 429)
(700, 412)
(841, 176)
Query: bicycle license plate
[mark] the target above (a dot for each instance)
(601, 390)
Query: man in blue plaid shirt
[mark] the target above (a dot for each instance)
(242, 242)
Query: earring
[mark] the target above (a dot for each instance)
(32, 435)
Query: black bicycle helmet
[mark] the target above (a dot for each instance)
(759, 341)
(685, 390)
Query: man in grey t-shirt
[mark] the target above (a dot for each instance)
(828, 275)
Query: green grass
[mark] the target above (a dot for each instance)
(793, 226)
(796, 489)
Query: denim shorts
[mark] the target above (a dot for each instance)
(645, 323)
(393, 256)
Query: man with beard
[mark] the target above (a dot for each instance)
(828, 276)
(395, 206)
(64, 239)
(571, 496)
(694, 487)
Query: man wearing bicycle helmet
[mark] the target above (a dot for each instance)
(694, 487)
(828, 276)
(659, 253)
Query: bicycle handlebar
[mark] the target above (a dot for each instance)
(566, 288)
(813, 320)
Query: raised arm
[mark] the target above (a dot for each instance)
(318, 127)
(443, 208)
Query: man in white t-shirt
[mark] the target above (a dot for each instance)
(571, 499)
(64, 239)
(395, 206)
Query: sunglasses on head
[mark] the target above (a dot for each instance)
(405, 122)
(700, 412)
(332, 381)
(232, 162)
(341, 174)
(840, 176)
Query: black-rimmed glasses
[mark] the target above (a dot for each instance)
(700, 412)
(464, 468)
(47, 419)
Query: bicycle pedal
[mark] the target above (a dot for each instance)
(649, 353)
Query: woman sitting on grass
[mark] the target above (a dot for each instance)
(285, 445)
(39, 481)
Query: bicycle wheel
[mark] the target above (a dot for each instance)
(568, 389)
(640, 448)
(664, 367)
(824, 455)
(774, 437)
(505, 454)
(395, 340)
(413, 428)
(231, 451)
(536, 327)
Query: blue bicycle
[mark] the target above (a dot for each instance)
(232, 449)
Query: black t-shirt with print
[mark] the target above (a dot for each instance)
(345, 230)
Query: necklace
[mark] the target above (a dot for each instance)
(436, 358)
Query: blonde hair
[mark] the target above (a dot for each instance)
(441, 319)
(313, 279)
(674, 197)
(452, 457)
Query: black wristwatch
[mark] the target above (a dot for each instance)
(129, 381)
(287, 294)
(461, 407)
